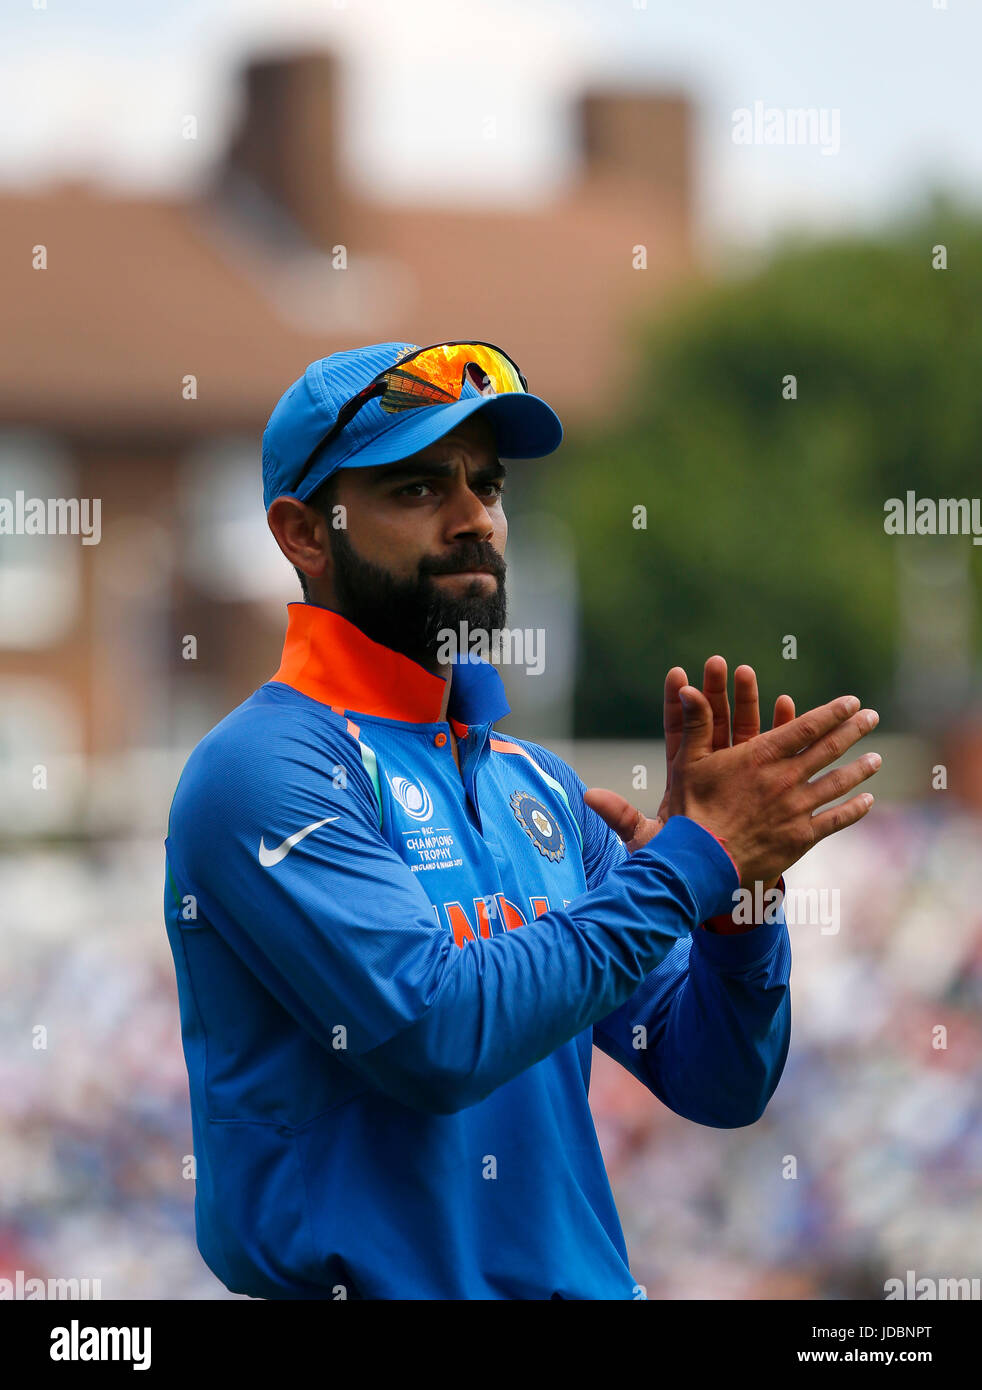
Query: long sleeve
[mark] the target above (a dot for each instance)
(708, 1030)
(340, 931)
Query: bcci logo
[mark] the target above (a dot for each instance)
(413, 797)
(538, 825)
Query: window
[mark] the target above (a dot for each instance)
(39, 574)
(230, 552)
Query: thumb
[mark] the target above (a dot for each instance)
(697, 725)
(616, 810)
(626, 820)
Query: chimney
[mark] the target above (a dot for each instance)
(286, 144)
(641, 139)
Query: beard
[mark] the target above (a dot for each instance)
(408, 615)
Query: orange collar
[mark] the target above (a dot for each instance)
(326, 657)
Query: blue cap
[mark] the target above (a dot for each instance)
(525, 427)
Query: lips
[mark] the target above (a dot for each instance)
(489, 564)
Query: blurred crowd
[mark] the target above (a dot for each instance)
(866, 1164)
(96, 1121)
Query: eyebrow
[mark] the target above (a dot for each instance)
(398, 471)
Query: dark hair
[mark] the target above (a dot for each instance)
(322, 501)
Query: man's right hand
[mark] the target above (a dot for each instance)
(756, 796)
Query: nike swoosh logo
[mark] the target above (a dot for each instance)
(269, 857)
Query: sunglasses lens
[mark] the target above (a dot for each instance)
(436, 376)
(432, 376)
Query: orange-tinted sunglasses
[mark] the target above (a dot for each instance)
(430, 376)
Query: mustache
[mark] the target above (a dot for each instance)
(474, 555)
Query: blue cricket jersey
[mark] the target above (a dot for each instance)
(392, 973)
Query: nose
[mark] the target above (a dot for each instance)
(467, 515)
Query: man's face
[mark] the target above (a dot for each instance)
(423, 547)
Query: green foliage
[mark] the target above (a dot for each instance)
(765, 515)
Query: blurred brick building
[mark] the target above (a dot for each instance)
(139, 367)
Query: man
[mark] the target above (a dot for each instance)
(397, 934)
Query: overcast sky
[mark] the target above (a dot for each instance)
(100, 90)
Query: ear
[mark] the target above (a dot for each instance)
(301, 534)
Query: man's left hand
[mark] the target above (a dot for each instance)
(636, 829)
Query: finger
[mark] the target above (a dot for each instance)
(674, 721)
(838, 817)
(746, 704)
(697, 728)
(714, 689)
(616, 810)
(802, 732)
(783, 710)
(841, 779)
(832, 745)
(634, 828)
